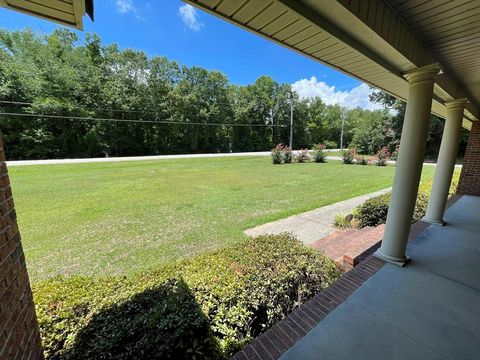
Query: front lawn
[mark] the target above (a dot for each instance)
(122, 217)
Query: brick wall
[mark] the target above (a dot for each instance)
(470, 177)
(19, 336)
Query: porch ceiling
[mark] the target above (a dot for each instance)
(451, 30)
(65, 12)
(369, 40)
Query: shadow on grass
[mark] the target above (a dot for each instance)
(163, 322)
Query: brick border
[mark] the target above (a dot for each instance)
(19, 334)
(469, 183)
(276, 341)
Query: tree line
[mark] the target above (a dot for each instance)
(62, 96)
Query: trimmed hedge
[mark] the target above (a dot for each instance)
(205, 307)
(373, 212)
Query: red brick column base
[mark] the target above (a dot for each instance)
(19, 335)
(470, 177)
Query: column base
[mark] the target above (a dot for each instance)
(391, 259)
(433, 222)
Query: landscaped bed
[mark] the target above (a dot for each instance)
(120, 218)
(205, 307)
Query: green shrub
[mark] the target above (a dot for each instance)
(207, 306)
(373, 212)
(303, 156)
(348, 156)
(330, 144)
(277, 154)
(420, 206)
(454, 184)
(287, 155)
(319, 153)
(342, 221)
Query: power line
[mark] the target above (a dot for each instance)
(24, 103)
(133, 120)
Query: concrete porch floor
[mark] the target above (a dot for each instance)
(427, 310)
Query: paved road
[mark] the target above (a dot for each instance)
(155, 157)
(130, 158)
(138, 158)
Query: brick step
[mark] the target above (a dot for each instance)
(319, 244)
(349, 244)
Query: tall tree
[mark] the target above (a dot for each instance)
(142, 105)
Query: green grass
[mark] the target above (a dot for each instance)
(119, 218)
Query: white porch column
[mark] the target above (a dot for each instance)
(409, 164)
(446, 162)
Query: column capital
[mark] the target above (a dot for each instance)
(424, 73)
(457, 103)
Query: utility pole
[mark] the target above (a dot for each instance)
(341, 135)
(291, 121)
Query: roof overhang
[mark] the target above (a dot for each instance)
(65, 12)
(365, 39)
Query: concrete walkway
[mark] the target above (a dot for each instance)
(312, 225)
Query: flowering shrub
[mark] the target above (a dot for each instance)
(348, 155)
(319, 153)
(361, 160)
(395, 153)
(383, 155)
(303, 156)
(287, 155)
(278, 154)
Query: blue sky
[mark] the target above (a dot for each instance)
(191, 37)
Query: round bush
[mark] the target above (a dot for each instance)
(373, 212)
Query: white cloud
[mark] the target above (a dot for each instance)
(125, 6)
(356, 97)
(128, 7)
(190, 18)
